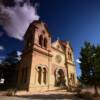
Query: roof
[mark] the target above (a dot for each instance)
(62, 43)
(33, 25)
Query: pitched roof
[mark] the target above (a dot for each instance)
(62, 43)
(33, 25)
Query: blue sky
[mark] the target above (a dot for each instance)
(73, 20)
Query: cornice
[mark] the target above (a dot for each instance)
(47, 53)
(57, 49)
(38, 49)
(70, 63)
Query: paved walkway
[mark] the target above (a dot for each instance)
(51, 95)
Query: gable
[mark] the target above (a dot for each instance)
(37, 26)
(58, 46)
(41, 27)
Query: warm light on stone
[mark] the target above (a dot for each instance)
(44, 66)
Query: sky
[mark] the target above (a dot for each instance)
(76, 21)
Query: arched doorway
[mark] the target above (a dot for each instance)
(60, 78)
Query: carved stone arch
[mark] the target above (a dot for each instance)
(60, 77)
(45, 66)
(36, 68)
(57, 69)
(42, 74)
(42, 66)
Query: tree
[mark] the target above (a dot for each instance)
(9, 69)
(96, 63)
(90, 65)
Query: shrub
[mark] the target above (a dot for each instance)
(85, 95)
(11, 92)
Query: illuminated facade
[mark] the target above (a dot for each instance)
(45, 65)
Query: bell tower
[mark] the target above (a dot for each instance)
(36, 57)
(37, 34)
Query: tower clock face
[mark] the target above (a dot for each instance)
(58, 58)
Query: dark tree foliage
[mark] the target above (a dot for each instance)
(86, 55)
(9, 70)
(12, 58)
(90, 65)
(97, 65)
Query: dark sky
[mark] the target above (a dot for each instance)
(73, 20)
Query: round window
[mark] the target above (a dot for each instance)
(58, 58)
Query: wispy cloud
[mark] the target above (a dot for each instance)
(0, 61)
(1, 48)
(15, 20)
(1, 33)
(78, 61)
(2, 58)
(19, 53)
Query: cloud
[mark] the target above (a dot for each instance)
(78, 61)
(18, 0)
(19, 53)
(0, 61)
(15, 20)
(2, 57)
(1, 48)
(1, 33)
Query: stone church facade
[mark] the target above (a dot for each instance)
(45, 65)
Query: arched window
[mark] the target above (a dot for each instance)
(40, 40)
(44, 75)
(45, 42)
(39, 75)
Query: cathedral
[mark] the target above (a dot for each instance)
(45, 65)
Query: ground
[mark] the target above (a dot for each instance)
(51, 95)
